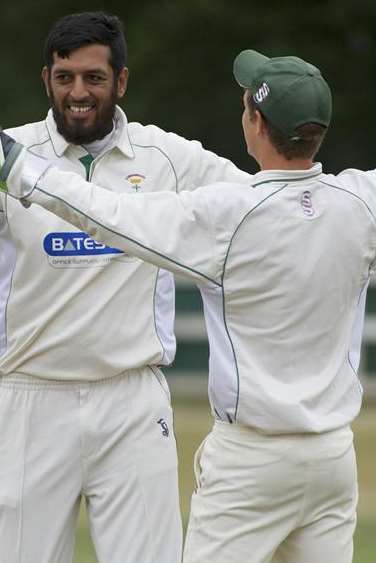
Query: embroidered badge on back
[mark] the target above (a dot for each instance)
(306, 203)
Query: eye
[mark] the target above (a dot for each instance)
(96, 78)
(62, 77)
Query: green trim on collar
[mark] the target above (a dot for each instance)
(288, 180)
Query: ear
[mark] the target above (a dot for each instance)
(122, 82)
(45, 78)
(260, 123)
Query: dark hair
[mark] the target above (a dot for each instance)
(78, 30)
(305, 143)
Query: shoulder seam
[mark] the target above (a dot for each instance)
(164, 154)
(356, 196)
(38, 144)
(48, 140)
(242, 221)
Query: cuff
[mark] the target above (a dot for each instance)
(25, 173)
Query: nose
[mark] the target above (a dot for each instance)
(79, 90)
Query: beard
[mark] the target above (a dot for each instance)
(80, 134)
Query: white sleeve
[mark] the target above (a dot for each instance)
(194, 166)
(353, 175)
(169, 230)
(362, 184)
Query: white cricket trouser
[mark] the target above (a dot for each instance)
(293, 497)
(111, 441)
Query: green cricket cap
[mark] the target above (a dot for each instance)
(288, 91)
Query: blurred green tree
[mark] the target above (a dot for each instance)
(180, 58)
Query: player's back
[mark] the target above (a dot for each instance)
(294, 285)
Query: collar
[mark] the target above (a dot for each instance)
(266, 176)
(121, 138)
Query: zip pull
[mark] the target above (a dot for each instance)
(86, 162)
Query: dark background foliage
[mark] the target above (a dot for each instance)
(180, 60)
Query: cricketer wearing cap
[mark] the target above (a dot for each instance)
(283, 266)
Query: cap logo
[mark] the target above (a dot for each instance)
(261, 93)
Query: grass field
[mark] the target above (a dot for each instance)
(192, 421)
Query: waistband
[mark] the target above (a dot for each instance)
(22, 381)
(225, 428)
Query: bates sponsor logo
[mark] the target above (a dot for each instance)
(77, 250)
(75, 244)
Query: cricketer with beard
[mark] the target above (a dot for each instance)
(84, 327)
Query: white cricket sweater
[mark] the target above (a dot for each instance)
(75, 309)
(283, 265)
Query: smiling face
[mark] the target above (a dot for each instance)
(83, 93)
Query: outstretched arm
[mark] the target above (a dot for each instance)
(169, 230)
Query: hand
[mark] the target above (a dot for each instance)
(20, 170)
(10, 151)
